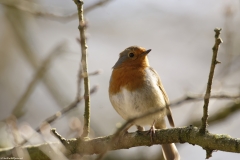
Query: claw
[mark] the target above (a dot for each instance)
(151, 131)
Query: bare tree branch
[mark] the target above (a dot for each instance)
(84, 62)
(103, 144)
(218, 41)
(220, 114)
(17, 111)
(58, 114)
(60, 18)
(16, 20)
(151, 112)
(188, 134)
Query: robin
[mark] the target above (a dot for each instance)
(135, 88)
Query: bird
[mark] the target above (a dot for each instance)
(135, 88)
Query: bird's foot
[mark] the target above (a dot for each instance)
(151, 131)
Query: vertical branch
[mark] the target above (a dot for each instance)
(218, 41)
(81, 28)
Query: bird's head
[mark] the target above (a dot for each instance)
(133, 56)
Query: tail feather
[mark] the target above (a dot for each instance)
(170, 152)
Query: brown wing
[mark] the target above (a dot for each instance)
(169, 112)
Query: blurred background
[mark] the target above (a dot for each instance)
(40, 56)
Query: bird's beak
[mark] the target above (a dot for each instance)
(146, 52)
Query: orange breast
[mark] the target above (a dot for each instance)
(131, 78)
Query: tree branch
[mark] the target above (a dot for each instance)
(58, 114)
(188, 134)
(81, 27)
(151, 112)
(20, 30)
(218, 41)
(221, 114)
(17, 111)
(103, 144)
(60, 18)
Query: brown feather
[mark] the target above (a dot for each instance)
(169, 112)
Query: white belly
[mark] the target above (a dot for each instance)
(130, 104)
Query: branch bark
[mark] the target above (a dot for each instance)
(81, 27)
(218, 41)
(188, 134)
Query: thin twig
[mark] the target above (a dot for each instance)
(218, 41)
(58, 136)
(215, 96)
(60, 18)
(17, 111)
(58, 114)
(97, 72)
(79, 80)
(221, 114)
(81, 27)
(20, 30)
(95, 5)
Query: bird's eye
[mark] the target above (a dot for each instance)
(131, 55)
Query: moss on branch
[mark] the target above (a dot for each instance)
(98, 145)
